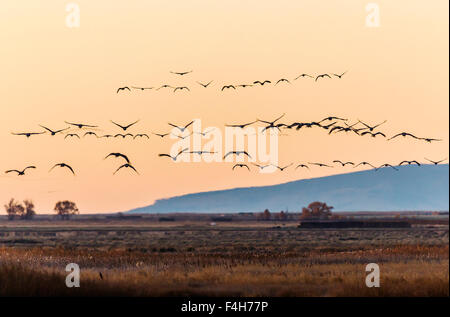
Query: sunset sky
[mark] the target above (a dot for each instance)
(51, 73)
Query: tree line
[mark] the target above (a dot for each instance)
(315, 210)
(26, 210)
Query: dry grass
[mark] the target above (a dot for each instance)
(206, 261)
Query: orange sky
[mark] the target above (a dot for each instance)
(51, 73)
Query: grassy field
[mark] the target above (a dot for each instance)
(226, 259)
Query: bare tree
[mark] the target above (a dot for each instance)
(66, 208)
(14, 209)
(29, 209)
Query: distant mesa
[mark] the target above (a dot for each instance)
(411, 188)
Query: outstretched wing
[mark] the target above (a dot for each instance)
(245, 152)
(132, 167)
(187, 125)
(121, 166)
(51, 131)
(131, 124)
(182, 151)
(124, 157)
(122, 127)
(394, 136)
(175, 126)
(9, 171)
(231, 152)
(70, 168)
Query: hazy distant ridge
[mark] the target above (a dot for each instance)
(411, 188)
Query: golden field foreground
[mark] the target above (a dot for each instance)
(247, 258)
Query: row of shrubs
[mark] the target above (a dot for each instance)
(64, 209)
(315, 210)
(16, 210)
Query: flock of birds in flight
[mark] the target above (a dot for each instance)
(230, 86)
(337, 125)
(332, 124)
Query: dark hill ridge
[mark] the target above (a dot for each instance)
(411, 188)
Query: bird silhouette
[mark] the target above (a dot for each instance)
(271, 124)
(300, 125)
(53, 132)
(338, 128)
(244, 85)
(386, 165)
(326, 127)
(90, 133)
(71, 135)
(282, 80)
(435, 162)
(20, 173)
(262, 166)
(62, 165)
(174, 158)
(181, 88)
(343, 163)
(123, 136)
(228, 87)
(373, 135)
(27, 134)
(340, 76)
(282, 168)
(204, 133)
(343, 129)
(123, 88)
(302, 165)
(274, 126)
(332, 118)
(320, 164)
(125, 127)
(371, 128)
(81, 125)
(204, 85)
(262, 83)
(429, 140)
(107, 136)
(202, 152)
(241, 165)
(181, 128)
(165, 86)
(117, 154)
(182, 137)
(182, 73)
(409, 162)
(364, 163)
(322, 76)
(161, 135)
(141, 135)
(142, 88)
(240, 125)
(237, 153)
(403, 134)
(126, 165)
(303, 75)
